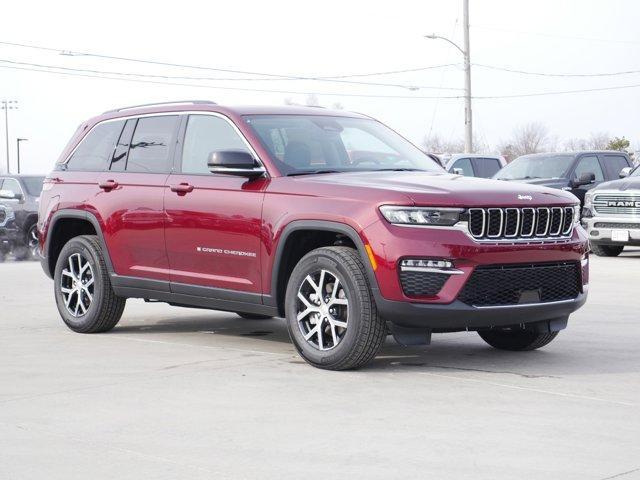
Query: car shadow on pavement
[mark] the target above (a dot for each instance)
(448, 353)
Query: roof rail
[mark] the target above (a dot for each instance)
(179, 102)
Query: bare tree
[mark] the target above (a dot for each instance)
(595, 141)
(529, 138)
(436, 144)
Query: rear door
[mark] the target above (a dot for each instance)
(213, 221)
(613, 163)
(131, 201)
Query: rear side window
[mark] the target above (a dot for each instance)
(94, 151)
(206, 134)
(589, 164)
(463, 164)
(486, 167)
(613, 164)
(152, 144)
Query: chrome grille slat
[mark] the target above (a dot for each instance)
(624, 203)
(539, 224)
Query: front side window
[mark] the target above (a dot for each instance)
(463, 164)
(300, 144)
(613, 164)
(12, 185)
(94, 151)
(589, 164)
(537, 166)
(206, 134)
(152, 144)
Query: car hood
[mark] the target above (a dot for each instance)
(434, 188)
(544, 182)
(629, 183)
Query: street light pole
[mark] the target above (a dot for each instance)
(18, 140)
(465, 50)
(6, 106)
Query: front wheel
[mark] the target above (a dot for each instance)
(331, 314)
(607, 250)
(83, 292)
(517, 340)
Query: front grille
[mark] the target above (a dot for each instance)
(628, 226)
(500, 224)
(522, 283)
(617, 203)
(417, 284)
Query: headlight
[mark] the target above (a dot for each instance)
(421, 215)
(588, 198)
(576, 214)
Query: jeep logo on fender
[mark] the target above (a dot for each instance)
(624, 203)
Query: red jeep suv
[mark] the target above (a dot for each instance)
(327, 218)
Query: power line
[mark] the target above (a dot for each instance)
(556, 35)
(266, 76)
(180, 77)
(543, 74)
(336, 94)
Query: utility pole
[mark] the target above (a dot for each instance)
(6, 106)
(18, 140)
(465, 50)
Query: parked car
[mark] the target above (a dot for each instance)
(611, 214)
(475, 165)
(22, 194)
(9, 233)
(576, 172)
(263, 212)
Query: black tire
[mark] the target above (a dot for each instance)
(607, 250)
(31, 241)
(365, 332)
(105, 308)
(517, 340)
(253, 316)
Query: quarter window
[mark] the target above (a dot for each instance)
(152, 144)
(206, 134)
(589, 164)
(95, 150)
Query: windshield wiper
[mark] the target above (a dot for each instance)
(313, 172)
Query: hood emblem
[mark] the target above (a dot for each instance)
(525, 197)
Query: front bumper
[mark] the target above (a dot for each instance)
(460, 316)
(599, 229)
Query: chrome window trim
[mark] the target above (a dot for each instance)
(166, 114)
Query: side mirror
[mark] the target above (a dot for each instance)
(585, 179)
(625, 172)
(458, 171)
(10, 195)
(234, 162)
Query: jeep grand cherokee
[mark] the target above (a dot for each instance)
(327, 218)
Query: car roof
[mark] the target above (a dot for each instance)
(574, 153)
(228, 110)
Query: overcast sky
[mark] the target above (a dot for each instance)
(328, 38)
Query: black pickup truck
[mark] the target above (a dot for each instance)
(19, 201)
(576, 172)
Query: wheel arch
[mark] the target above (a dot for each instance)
(78, 222)
(321, 233)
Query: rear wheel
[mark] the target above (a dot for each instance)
(517, 340)
(331, 314)
(83, 292)
(607, 250)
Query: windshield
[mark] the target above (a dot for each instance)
(33, 185)
(303, 144)
(536, 166)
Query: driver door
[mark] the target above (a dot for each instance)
(587, 164)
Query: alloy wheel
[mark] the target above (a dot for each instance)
(322, 309)
(77, 285)
(32, 241)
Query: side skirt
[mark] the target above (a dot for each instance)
(191, 295)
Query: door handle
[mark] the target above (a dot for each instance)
(108, 185)
(182, 188)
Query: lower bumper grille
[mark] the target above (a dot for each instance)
(417, 284)
(522, 283)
